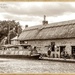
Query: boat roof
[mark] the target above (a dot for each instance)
(23, 45)
(10, 46)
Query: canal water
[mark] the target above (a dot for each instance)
(34, 66)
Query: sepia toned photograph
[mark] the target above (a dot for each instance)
(37, 37)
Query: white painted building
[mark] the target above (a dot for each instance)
(14, 41)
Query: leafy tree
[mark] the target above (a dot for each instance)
(11, 28)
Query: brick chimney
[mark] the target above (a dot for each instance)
(26, 26)
(44, 21)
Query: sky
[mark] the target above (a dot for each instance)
(32, 13)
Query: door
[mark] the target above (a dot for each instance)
(62, 51)
(53, 49)
(52, 46)
(73, 50)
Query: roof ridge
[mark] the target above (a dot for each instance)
(52, 25)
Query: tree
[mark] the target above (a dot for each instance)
(10, 28)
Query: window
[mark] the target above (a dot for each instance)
(62, 48)
(25, 42)
(73, 50)
(57, 48)
(25, 47)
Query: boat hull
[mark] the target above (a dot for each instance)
(20, 56)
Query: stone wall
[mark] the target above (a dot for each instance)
(42, 46)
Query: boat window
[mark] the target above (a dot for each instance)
(15, 47)
(21, 42)
(25, 47)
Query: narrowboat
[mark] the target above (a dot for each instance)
(19, 51)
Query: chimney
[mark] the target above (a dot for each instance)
(44, 21)
(26, 26)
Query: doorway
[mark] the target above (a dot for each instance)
(52, 46)
(53, 49)
(73, 50)
(62, 51)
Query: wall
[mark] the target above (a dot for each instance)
(42, 46)
(14, 42)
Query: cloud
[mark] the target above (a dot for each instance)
(21, 17)
(39, 8)
(29, 12)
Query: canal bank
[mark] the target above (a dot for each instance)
(58, 59)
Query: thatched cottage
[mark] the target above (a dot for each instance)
(59, 36)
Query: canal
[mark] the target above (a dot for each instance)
(34, 66)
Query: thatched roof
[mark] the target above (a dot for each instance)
(59, 30)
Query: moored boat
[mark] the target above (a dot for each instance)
(19, 51)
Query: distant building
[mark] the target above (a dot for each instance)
(14, 41)
(59, 36)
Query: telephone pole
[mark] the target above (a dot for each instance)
(8, 33)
